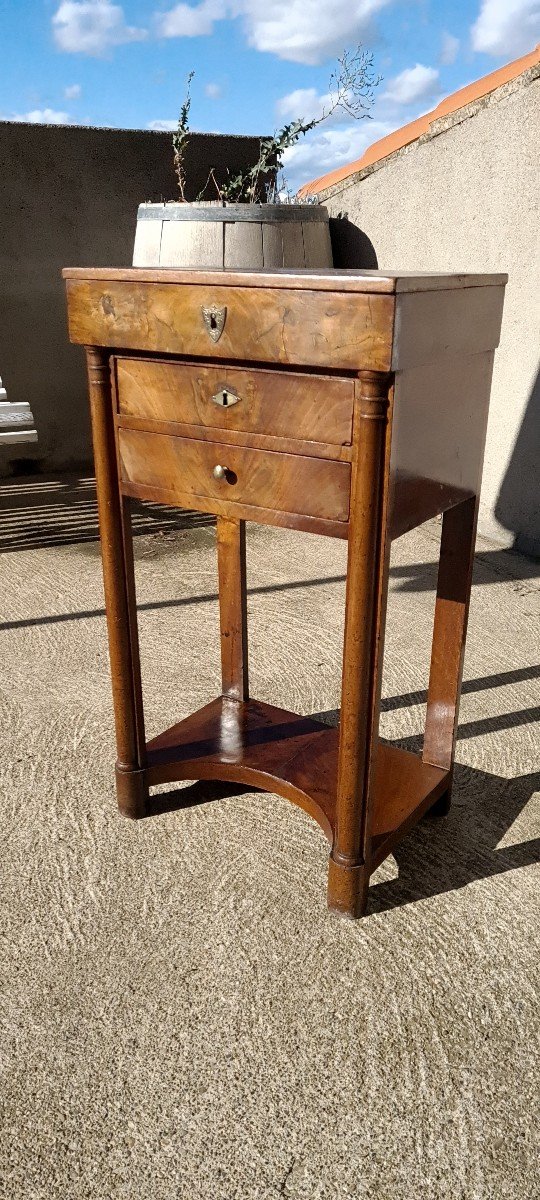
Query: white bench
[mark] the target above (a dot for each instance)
(16, 420)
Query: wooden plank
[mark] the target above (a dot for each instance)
(147, 248)
(404, 789)
(438, 436)
(191, 244)
(315, 279)
(17, 416)
(14, 436)
(272, 246)
(243, 243)
(16, 420)
(244, 512)
(272, 325)
(233, 437)
(427, 281)
(317, 244)
(253, 743)
(230, 740)
(293, 245)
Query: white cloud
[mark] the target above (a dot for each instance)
(213, 90)
(413, 84)
(506, 27)
(92, 27)
(42, 116)
(73, 91)
(186, 21)
(305, 31)
(306, 104)
(449, 49)
(330, 148)
(162, 126)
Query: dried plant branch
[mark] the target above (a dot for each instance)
(352, 84)
(211, 176)
(351, 89)
(180, 139)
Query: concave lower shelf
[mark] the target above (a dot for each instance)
(249, 742)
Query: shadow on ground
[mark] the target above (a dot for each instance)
(439, 855)
(39, 513)
(444, 855)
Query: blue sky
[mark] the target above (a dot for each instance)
(257, 62)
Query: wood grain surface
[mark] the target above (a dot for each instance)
(303, 407)
(182, 469)
(327, 279)
(310, 328)
(295, 756)
(431, 326)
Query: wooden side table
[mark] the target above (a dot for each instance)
(350, 404)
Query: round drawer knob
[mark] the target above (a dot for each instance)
(219, 472)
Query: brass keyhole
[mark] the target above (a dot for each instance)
(214, 320)
(226, 397)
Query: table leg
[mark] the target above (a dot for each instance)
(119, 586)
(449, 632)
(231, 548)
(367, 582)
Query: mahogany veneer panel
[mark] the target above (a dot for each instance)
(183, 468)
(264, 326)
(303, 407)
(234, 437)
(252, 743)
(295, 756)
(429, 326)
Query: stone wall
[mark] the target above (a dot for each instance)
(465, 198)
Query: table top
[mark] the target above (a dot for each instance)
(323, 279)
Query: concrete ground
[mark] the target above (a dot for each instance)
(181, 1018)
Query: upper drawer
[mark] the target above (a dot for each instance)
(346, 330)
(311, 408)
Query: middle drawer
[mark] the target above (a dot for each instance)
(303, 407)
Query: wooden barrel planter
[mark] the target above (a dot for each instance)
(215, 235)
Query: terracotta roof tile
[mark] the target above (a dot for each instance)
(411, 132)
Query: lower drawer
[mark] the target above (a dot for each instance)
(183, 469)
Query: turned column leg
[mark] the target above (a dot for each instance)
(119, 586)
(231, 548)
(367, 580)
(449, 632)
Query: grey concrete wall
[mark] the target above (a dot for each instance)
(466, 199)
(69, 197)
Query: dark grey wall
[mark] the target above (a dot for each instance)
(69, 197)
